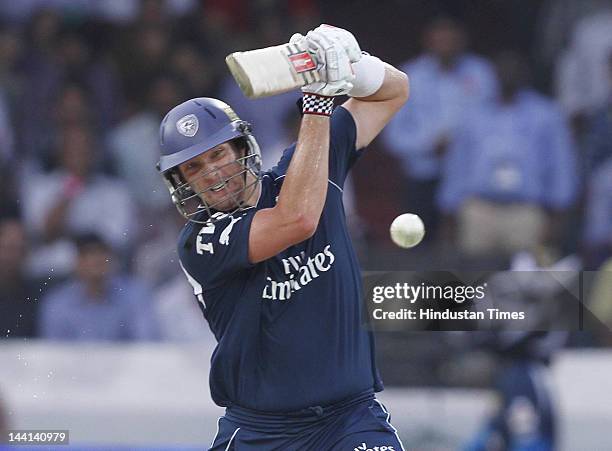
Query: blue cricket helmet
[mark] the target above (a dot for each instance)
(192, 128)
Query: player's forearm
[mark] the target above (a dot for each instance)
(395, 86)
(373, 112)
(302, 196)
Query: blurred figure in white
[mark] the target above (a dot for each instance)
(557, 19)
(582, 74)
(134, 146)
(178, 312)
(446, 82)
(155, 258)
(75, 199)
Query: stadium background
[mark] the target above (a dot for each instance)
(94, 78)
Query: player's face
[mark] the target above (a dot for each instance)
(217, 177)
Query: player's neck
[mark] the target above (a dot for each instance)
(253, 198)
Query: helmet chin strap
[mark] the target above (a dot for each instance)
(256, 184)
(243, 202)
(244, 178)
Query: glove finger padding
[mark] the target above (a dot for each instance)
(336, 63)
(297, 37)
(344, 37)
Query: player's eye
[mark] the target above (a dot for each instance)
(191, 168)
(217, 153)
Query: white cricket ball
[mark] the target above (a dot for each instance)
(407, 230)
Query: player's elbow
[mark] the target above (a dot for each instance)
(402, 87)
(297, 228)
(398, 90)
(304, 226)
(273, 231)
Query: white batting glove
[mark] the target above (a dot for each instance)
(333, 63)
(344, 37)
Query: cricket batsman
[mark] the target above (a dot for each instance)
(272, 265)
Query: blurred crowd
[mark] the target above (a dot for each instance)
(493, 165)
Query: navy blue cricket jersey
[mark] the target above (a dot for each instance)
(289, 329)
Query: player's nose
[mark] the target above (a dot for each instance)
(214, 177)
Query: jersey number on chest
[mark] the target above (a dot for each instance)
(203, 241)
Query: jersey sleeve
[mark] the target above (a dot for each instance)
(211, 253)
(342, 151)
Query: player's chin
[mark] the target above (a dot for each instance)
(226, 199)
(225, 203)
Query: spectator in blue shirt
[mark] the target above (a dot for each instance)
(98, 303)
(596, 152)
(598, 140)
(598, 217)
(510, 167)
(446, 81)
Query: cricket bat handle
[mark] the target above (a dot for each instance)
(273, 70)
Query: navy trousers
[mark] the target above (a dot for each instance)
(358, 424)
